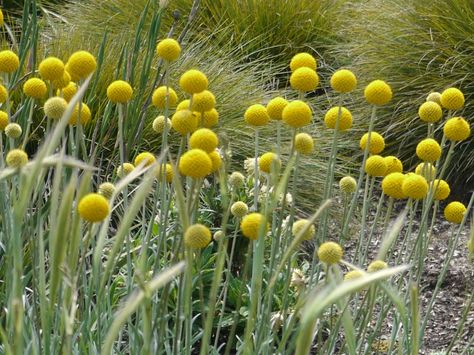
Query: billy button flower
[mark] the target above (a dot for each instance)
(197, 236)
(195, 163)
(434, 97)
(9, 62)
(304, 79)
(428, 150)
(51, 68)
(330, 253)
(392, 185)
(159, 97)
(193, 81)
(159, 124)
(3, 120)
(377, 265)
(239, 209)
(168, 172)
(125, 169)
(236, 180)
(184, 122)
(457, 129)
(304, 143)
(84, 115)
(107, 190)
(251, 225)
(93, 208)
(442, 191)
(375, 166)
(3, 94)
(256, 115)
(16, 158)
(119, 92)
(415, 186)
(210, 118)
(275, 108)
(55, 107)
(378, 93)
(343, 81)
(268, 161)
(345, 119)
(427, 170)
(1, 18)
(376, 144)
(13, 130)
(80, 65)
(454, 212)
(69, 91)
(348, 184)
(216, 160)
(394, 165)
(430, 112)
(452, 99)
(168, 49)
(353, 274)
(303, 59)
(146, 157)
(62, 82)
(300, 225)
(297, 114)
(35, 88)
(203, 101)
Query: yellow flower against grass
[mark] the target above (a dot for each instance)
(9, 61)
(343, 81)
(394, 165)
(168, 172)
(51, 68)
(119, 92)
(168, 49)
(352, 275)
(239, 209)
(203, 101)
(392, 185)
(442, 189)
(269, 162)
(107, 190)
(84, 115)
(197, 236)
(146, 157)
(275, 108)
(1, 18)
(415, 186)
(62, 82)
(93, 208)
(159, 124)
(216, 160)
(430, 112)
(195, 163)
(375, 166)
(427, 170)
(3, 94)
(16, 158)
(345, 118)
(236, 180)
(452, 99)
(184, 122)
(434, 97)
(256, 115)
(378, 93)
(125, 169)
(159, 97)
(301, 225)
(428, 150)
(55, 107)
(3, 120)
(297, 114)
(330, 253)
(80, 65)
(210, 118)
(69, 91)
(457, 129)
(376, 145)
(251, 225)
(13, 130)
(304, 143)
(193, 81)
(454, 212)
(377, 265)
(348, 185)
(301, 60)
(304, 79)
(35, 88)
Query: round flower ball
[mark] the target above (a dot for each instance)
(3, 93)
(392, 185)
(69, 91)
(415, 186)
(394, 165)
(352, 275)
(13, 130)
(236, 180)
(434, 97)
(376, 145)
(304, 79)
(204, 139)
(159, 97)
(9, 62)
(427, 170)
(251, 225)
(377, 265)
(51, 68)
(256, 115)
(84, 115)
(203, 101)
(378, 93)
(125, 169)
(107, 190)
(348, 184)
(375, 166)
(3, 120)
(159, 124)
(216, 160)
(193, 81)
(81, 64)
(452, 99)
(168, 49)
(442, 189)
(184, 122)
(62, 82)
(301, 225)
(457, 129)
(304, 143)
(55, 107)
(210, 118)
(275, 108)
(302, 60)
(146, 157)
(1, 18)
(330, 253)
(428, 150)
(168, 172)
(344, 115)
(343, 81)
(430, 112)
(16, 158)
(35, 88)
(239, 209)
(297, 114)
(195, 163)
(454, 212)
(119, 92)
(93, 208)
(268, 161)
(197, 236)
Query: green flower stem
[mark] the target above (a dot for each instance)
(256, 184)
(31, 104)
(278, 125)
(369, 181)
(374, 226)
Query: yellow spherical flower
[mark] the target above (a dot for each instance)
(330, 253)
(452, 99)
(304, 143)
(193, 81)
(1, 18)
(203, 101)
(3, 120)
(375, 166)
(195, 163)
(13, 130)
(434, 97)
(268, 162)
(168, 172)
(377, 265)
(55, 107)
(348, 184)
(183, 105)
(304, 79)
(81, 64)
(204, 139)
(62, 82)
(378, 92)
(3, 93)
(376, 145)
(394, 165)
(427, 170)
(415, 186)
(343, 80)
(300, 225)
(159, 124)
(236, 179)
(107, 190)
(197, 236)
(210, 118)
(251, 225)
(93, 208)
(16, 158)
(239, 209)
(442, 189)
(9, 61)
(125, 169)
(119, 91)
(297, 114)
(84, 115)
(275, 108)
(301, 60)
(430, 112)
(159, 97)
(392, 185)
(344, 115)
(146, 157)
(428, 150)
(216, 160)
(69, 91)
(457, 129)
(184, 122)
(454, 212)
(51, 68)
(352, 275)
(168, 49)
(35, 88)
(256, 115)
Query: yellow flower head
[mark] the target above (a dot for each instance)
(184, 122)
(9, 61)
(352, 275)
(236, 179)
(159, 97)
(297, 114)
(55, 107)
(146, 157)
(330, 253)
(239, 209)
(119, 92)
(93, 208)
(16, 158)
(304, 79)
(454, 212)
(376, 145)
(344, 115)
(193, 81)
(378, 93)
(256, 115)
(343, 80)
(1, 18)
(13, 130)
(304, 143)
(251, 225)
(3, 93)
(275, 108)
(195, 163)
(3, 120)
(301, 225)
(442, 190)
(81, 64)
(107, 190)
(62, 82)
(375, 166)
(428, 150)
(269, 162)
(204, 139)
(303, 60)
(203, 101)
(434, 97)
(125, 169)
(457, 129)
(452, 99)
(84, 115)
(348, 184)
(197, 236)
(430, 112)
(427, 170)
(168, 49)
(394, 165)
(210, 118)
(415, 186)
(392, 185)
(159, 124)
(168, 172)
(216, 160)
(377, 265)
(69, 91)
(51, 68)
(35, 88)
